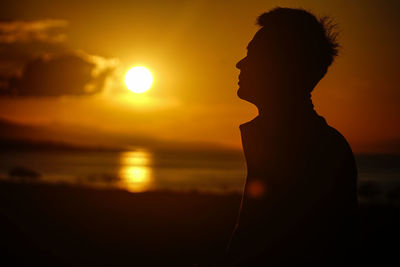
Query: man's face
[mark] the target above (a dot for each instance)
(258, 79)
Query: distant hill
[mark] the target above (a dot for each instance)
(21, 137)
(54, 136)
(20, 144)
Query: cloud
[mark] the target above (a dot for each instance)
(20, 41)
(63, 74)
(36, 62)
(47, 31)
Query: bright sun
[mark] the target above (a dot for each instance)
(138, 79)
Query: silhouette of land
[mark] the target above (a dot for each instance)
(55, 225)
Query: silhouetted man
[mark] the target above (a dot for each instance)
(300, 199)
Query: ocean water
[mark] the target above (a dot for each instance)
(136, 170)
(142, 169)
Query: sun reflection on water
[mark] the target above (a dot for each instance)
(135, 171)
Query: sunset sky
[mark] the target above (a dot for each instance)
(62, 66)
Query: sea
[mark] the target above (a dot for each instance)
(142, 169)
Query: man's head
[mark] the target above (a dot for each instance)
(286, 58)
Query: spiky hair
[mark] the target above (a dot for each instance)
(314, 37)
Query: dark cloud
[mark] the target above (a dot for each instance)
(47, 31)
(67, 74)
(22, 40)
(34, 62)
(13, 57)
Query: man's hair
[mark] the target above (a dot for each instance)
(301, 35)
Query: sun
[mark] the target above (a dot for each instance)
(138, 79)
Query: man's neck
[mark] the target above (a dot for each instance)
(287, 113)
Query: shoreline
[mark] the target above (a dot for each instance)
(70, 225)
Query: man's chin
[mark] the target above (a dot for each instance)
(240, 94)
(245, 96)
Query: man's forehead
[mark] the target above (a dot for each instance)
(259, 38)
(250, 44)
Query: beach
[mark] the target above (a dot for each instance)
(63, 225)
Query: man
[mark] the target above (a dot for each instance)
(299, 204)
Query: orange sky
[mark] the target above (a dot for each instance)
(192, 48)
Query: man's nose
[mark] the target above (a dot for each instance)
(239, 65)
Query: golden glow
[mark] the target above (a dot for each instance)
(138, 79)
(136, 158)
(135, 172)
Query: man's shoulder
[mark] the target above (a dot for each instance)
(335, 147)
(335, 139)
(248, 124)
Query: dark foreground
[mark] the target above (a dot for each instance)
(69, 226)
